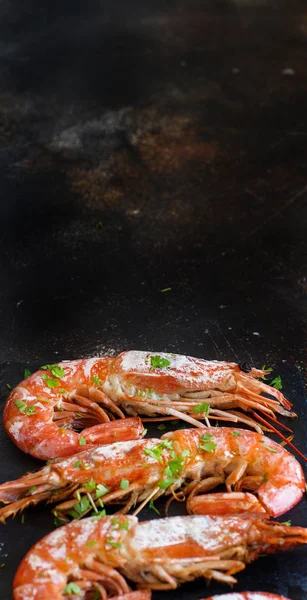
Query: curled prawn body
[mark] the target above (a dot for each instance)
(183, 464)
(48, 413)
(97, 555)
(248, 596)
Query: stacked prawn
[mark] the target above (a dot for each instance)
(80, 407)
(54, 410)
(94, 556)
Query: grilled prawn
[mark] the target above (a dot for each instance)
(48, 413)
(183, 464)
(95, 556)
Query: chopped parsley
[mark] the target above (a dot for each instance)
(82, 441)
(91, 484)
(168, 289)
(2, 565)
(271, 449)
(206, 444)
(158, 362)
(156, 451)
(91, 543)
(202, 408)
(124, 484)
(265, 368)
(165, 483)
(26, 373)
(161, 427)
(32, 489)
(23, 408)
(9, 387)
(96, 380)
(51, 383)
(72, 588)
(101, 490)
(124, 525)
(114, 544)
(152, 506)
(99, 225)
(80, 508)
(288, 523)
(78, 464)
(265, 477)
(236, 433)
(185, 453)
(56, 371)
(276, 383)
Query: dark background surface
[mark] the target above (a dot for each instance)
(145, 146)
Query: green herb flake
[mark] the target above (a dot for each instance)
(62, 391)
(26, 373)
(30, 410)
(236, 433)
(2, 565)
(265, 477)
(186, 453)
(161, 427)
(51, 383)
(32, 489)
(158, 362)
(167, 289)
(114, 544)
(124, 484)
(271, 449)
(101, 490)
(71, 588)
(124, 525)
(22, 520)
(202, 408)
(99, 225)
(91, 484)
(91, 543)
(206, 443)
(276, 383)
(174, 422)
(82, 441)
(288, 523)
(96, 380)
(166, 483)
(56, 370)
(23, 408)
(265, 368)
(80, 507)
(153, 507)
(9, 387)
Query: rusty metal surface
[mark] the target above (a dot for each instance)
(142, 147)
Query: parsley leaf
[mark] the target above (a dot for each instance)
(276, 383)
(288, 523)
(165, 483)
(271, 449)
(206, 443)
(168, 289)
(202, 408)
(265, 477)
(124, 484)
(235, 433)
(101, 490)
(124, 525)
(80, 507)
(91, 484)
(156, 451)
(26, 373)
(114, 544)
(96, 380)
(51, 383)
(72, 588)
(265, 368)
(91, 543)
(152, 506)
(56, 371)
(161, 427)
(23, 408)
(158, 362)
(78, 464)
(82, 441)
(185, 453)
